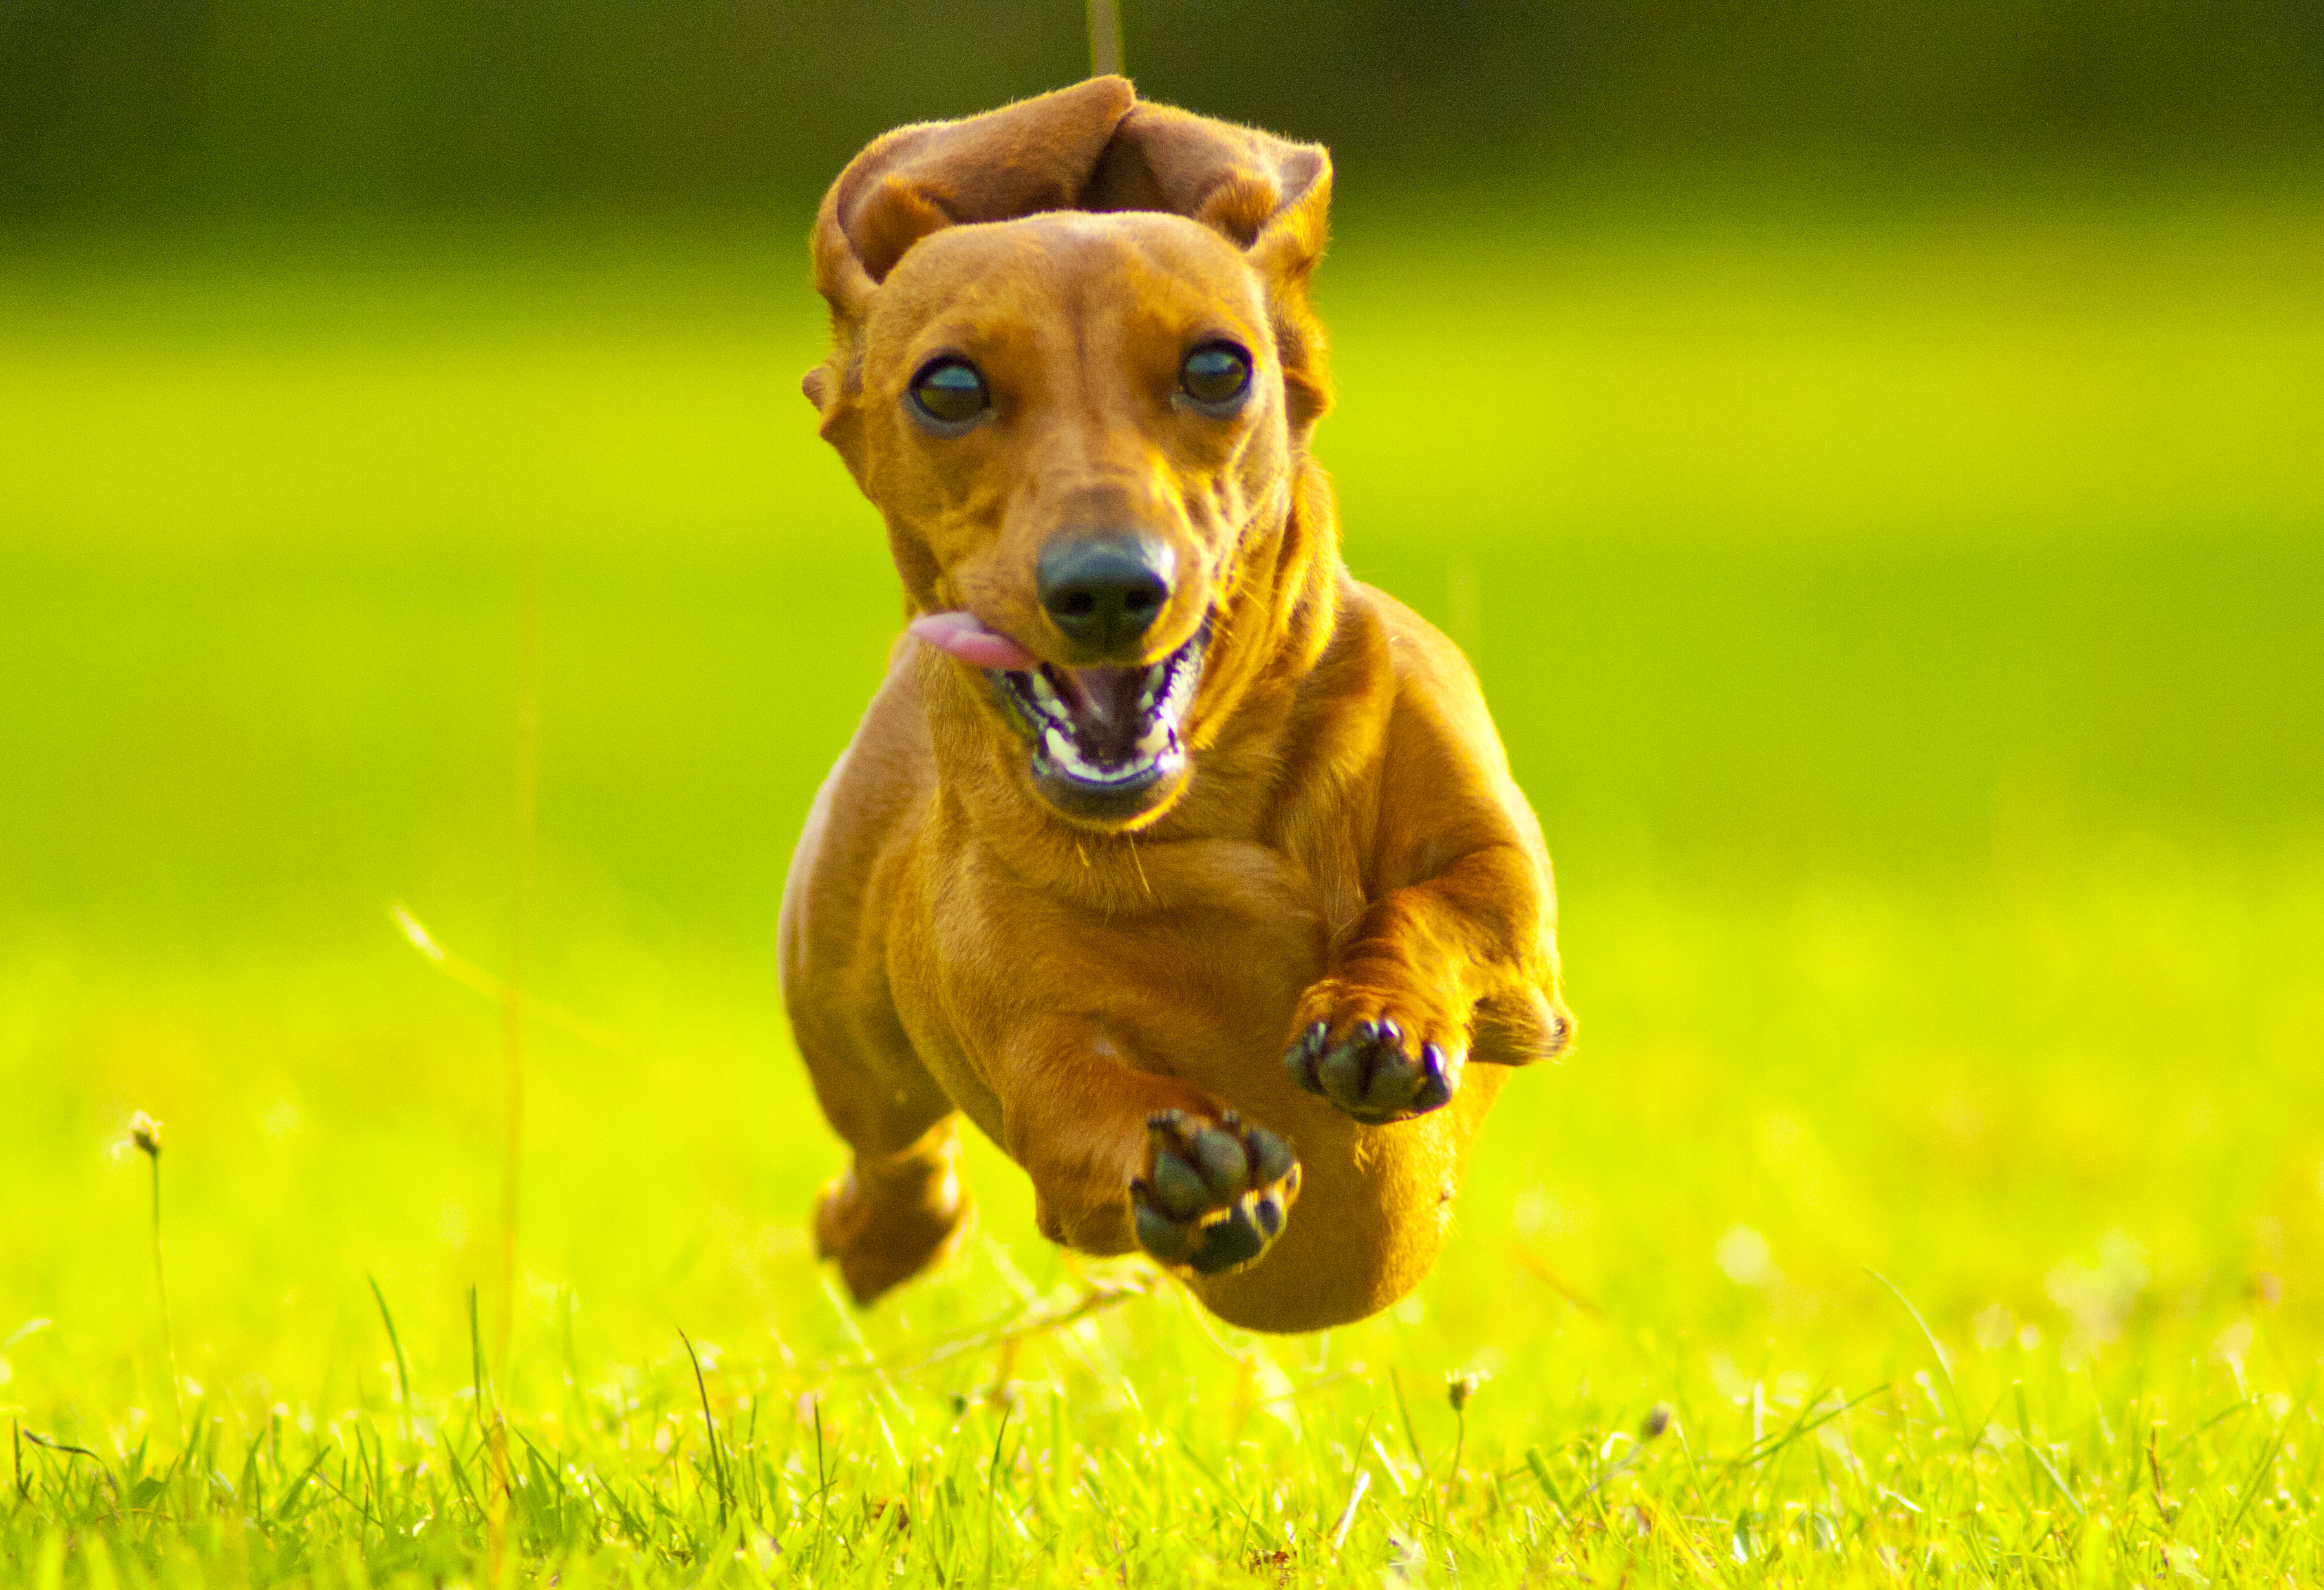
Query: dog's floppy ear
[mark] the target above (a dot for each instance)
(1267, 195)
(1020, 159)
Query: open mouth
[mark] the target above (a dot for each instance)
(1108, 735)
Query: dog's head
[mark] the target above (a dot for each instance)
(1075, 366)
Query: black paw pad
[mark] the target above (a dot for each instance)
(1213, 1195)
(1370, 1072)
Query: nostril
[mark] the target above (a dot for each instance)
(1103, 594)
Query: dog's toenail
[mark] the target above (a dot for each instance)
(1390, 1031)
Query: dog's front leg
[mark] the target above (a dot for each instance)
(1124, 1159)
(1428, 975)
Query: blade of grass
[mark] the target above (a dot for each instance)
(2250, 1488)
(522, 799)
(291, 1492)
(717, 1461)
(477, 1379)
(1944, 1363)
(473, 977)
(1802, 1426)
(993, 1490)
(1396, 1384)
(1348, 1513)
(1105, 38)
(402, 1372)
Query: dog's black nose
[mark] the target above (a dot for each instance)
(1102, 595)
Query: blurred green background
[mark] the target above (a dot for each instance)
(240, 107)
(1870, 451)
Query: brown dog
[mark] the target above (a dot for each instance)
(1184, 866)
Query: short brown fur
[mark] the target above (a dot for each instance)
(1346, 843)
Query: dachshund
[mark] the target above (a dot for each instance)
(1184, 866)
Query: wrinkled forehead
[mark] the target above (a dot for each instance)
(1067, 267)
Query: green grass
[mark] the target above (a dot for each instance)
(1905, 630)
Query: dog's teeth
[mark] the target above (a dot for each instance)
(1160, 680)
(1175, 697)
(1165, 691)
(1169, 688)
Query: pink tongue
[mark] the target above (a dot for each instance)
(960, 635)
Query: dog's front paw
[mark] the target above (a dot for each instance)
(1373, 1070)
(1213, 1195)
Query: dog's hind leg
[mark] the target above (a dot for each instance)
(891, 1216)
(901, 1206)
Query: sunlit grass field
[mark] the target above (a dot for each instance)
(1907, 628)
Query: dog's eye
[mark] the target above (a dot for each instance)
(950, 391)
(1216, 375)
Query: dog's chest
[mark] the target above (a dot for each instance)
(1218, 985)
(1204, 974)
